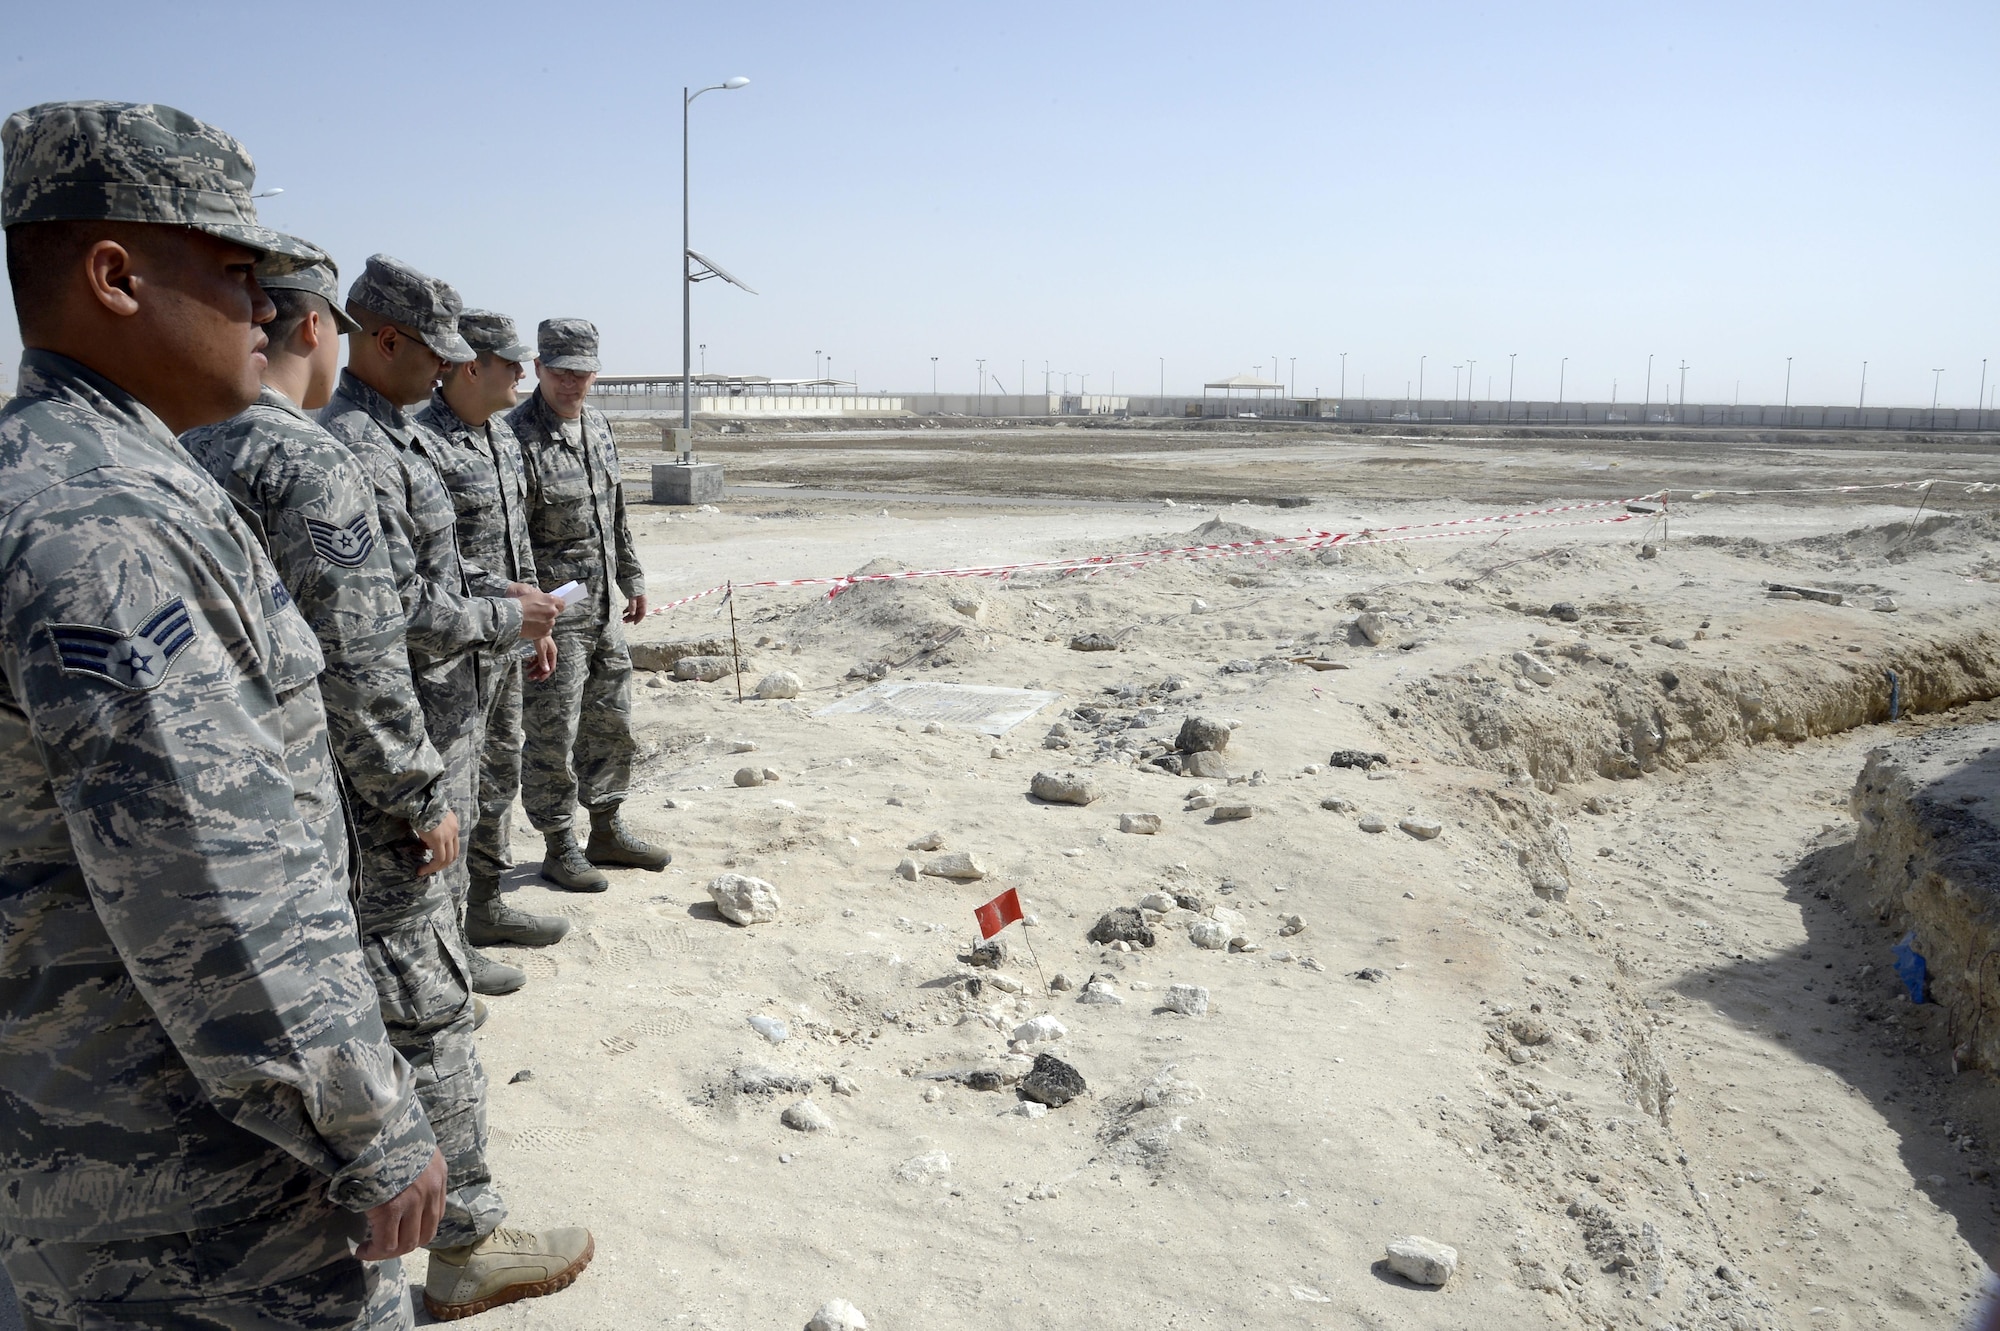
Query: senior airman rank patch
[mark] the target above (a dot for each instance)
(138, 660)
(346, 545)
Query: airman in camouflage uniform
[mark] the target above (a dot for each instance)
(579, 721)
(316, 511)
(453, 609)
(198, 1100)
(481, 467)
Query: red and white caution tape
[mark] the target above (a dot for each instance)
(1091, 565)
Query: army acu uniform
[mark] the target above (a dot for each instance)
(197, 1097)
(481, 467)
(452, 609)
(579, 721)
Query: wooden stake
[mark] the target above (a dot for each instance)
(735, 648)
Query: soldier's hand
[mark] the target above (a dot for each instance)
(442, 842)
(635, 609)
(538, 610)
(408, 1220)
(545, 659)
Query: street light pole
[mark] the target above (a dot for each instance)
(934, 361)
(1684, 385)
(1562, 372)
(1163, 376)
(1510, 378)
(1937, 377)
(1788, 388)
(1863, 404)
(1979, 420)
(1649, 384)
(687, 260)
(1420, 387)
(1343, 376)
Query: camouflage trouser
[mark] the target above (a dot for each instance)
(579, 722)
(412, 937)
(488, 853)
(290, 1266)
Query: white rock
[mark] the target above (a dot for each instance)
(1158, 901)
(1140, 824)
(1188, 999)
(744, 899)
(1029, 1109)
(1037, 1029)
(1422, 1261)
(1005, 983)
(1535, 668)
(1213, 935)
(749, 776)
(837, 1315)
(1886, 604)
(958, 865)
(1203, 789)
(1226, 915)
(926, 1168)
(1423, 829)
(743, 746)
(1168, 1091)
(934, 728)
(771, 1028)
(907, 868)
(1372, 627)
(931, 840)
(805, 1116)
(1100, 994)
(1201, 802)
(778, 684)
(1372, 822)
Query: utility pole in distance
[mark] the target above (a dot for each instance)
(1684, 385)
(1863, 404)
(934, 361)
(1343, 376)
(1510, 377)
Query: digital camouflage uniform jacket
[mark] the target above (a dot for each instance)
(316, 507)
(576, 503)
(453, 607)
(482, 469)
(184, 1012)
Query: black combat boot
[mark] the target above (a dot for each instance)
(611, 842)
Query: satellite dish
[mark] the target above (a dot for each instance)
(714, 269)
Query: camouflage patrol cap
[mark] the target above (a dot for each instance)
(427, 307)
(123, 162)
(322, 279)
(491, 333)
(567, 344)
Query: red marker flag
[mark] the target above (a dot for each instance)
(998, 913)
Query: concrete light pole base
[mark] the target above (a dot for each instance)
(687, 483)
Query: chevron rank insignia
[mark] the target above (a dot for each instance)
(346, 545)
(136, 661)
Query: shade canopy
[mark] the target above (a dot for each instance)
(1244, 381)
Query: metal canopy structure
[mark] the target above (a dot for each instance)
(1244, 383)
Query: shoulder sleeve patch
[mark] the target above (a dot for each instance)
(346, 544)
(137, 661)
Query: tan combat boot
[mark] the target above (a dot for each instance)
(566, 867)
(489, 920)
(504, 1267)
(611, 842)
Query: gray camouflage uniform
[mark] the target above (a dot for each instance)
(452, 609)
(579, 720)
(197, 1096)
(481, 467)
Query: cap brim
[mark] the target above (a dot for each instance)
(588, 364)
(342, 320)
(450, 346)
(282, 253)
(517, 352)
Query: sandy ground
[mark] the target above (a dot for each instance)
(1684, 1092)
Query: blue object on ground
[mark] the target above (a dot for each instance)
(1911, 968)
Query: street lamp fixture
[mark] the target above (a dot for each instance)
(690, 260)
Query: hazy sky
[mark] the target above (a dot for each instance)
(1096, 187)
